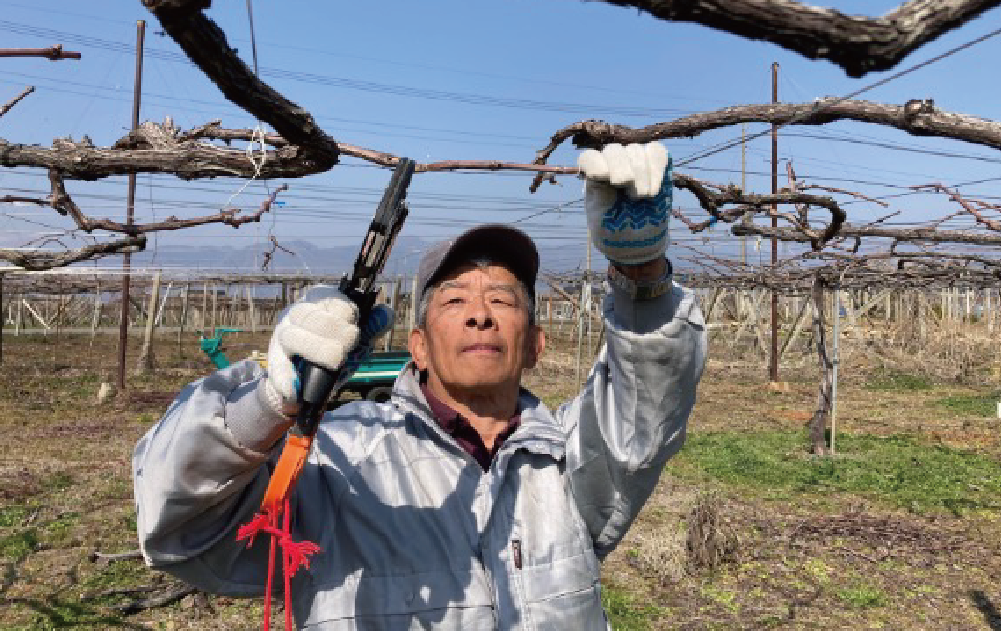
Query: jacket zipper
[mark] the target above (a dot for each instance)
(516, 552)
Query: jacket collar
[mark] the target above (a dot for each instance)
(538, 432)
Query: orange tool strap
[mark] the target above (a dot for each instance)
(274, 519)
(287, 470)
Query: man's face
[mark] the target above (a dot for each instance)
(477, 339)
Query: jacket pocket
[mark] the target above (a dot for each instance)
(562, 576)
(565, 595)
(404, 601)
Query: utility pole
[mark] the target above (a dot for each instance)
(743, 185)
(2, 318)
(123, 327)
(773, 359)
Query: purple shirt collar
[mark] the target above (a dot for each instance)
(459, 428)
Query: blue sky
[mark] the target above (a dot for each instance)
(461, 80)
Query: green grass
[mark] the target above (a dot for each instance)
(59, 481)
(13, 515)
(899, 382)
(897, 469)
(81, 387)
(62, 613)
(724, 597)
(624, 611)
(971, 404)
(862, 596)
(17, 546)
(123, 573)
(60, 531)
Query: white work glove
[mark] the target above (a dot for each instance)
(628, 200)
(322, 327)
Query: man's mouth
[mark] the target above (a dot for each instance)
(482, 348)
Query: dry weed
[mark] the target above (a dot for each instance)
(659, 554)
(711, 542)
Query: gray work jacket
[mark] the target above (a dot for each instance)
(414, 534)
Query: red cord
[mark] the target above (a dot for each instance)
(286, 563)
(269, 589)
(295, 554)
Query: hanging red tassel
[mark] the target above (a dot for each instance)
(295, 554)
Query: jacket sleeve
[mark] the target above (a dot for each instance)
(200, 473)
(631, 416)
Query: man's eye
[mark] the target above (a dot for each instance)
(453, 301)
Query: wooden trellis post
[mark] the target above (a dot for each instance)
(97, 315)
(57, 319)
(987, 310)
(251, 311)
(717, 305)
(388, 343)
(205, 308)
(414, 301)
(146, 360)
(215, 306)
(183, 319)
(234, 305)
(797, 327)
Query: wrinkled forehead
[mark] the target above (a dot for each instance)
(469, 275)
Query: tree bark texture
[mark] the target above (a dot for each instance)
(857, 44)
(818, 423)
(205, 44)
(17, 99)
(188, 161)
(36, 261)
(918, 117)
(916, 235)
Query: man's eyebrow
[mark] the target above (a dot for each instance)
(454, 284)
(508, 287)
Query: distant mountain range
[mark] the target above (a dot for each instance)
(293, 257)
(305, 258)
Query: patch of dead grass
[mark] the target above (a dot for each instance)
(798, 558)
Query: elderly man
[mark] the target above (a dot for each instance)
(463, 503)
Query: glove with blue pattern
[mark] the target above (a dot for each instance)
(628, 200)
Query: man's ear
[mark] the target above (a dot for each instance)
(417, 345)
(536, 344)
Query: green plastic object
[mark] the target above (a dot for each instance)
(379, 369)
(212, 346)
(373, 380)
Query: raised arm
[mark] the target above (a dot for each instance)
(632, 414)
(201, 472)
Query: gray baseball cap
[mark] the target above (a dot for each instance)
(506, 245)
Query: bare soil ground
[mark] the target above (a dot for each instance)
(828, 552)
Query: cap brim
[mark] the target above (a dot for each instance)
(497, 242)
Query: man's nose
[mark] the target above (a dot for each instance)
(478, 314)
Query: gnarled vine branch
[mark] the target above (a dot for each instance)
(35, 260)
(917, 117)
(857, 44)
